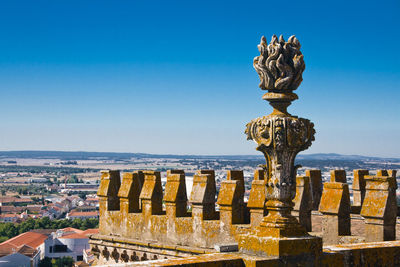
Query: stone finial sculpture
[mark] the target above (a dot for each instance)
(280, 64)
(280, 137)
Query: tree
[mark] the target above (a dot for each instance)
(26, 226)
(10, 230)
(46, 262)
(63, 262)
(45, 223)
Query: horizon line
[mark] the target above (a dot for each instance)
(199, 155)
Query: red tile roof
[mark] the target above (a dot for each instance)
(75, 236)
(7, 249)
(81, 234)
(10, 209)
(91, 231)
(15, 199)
(71, 229)
(30, 239)
(27, 251)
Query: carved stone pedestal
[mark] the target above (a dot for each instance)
(280, 137)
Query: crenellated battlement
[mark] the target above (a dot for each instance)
(138, 215)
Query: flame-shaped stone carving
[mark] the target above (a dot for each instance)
(280, 136)
(280, 64)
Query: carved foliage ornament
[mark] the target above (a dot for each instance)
(280, 64)
(279, 133)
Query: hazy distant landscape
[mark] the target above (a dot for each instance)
(129, 161)
(25, 166)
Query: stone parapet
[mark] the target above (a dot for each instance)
(355, 255)
(198, 226)
(172, 222)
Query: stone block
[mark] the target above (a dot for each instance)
(303, 202)
(380, 208)
(175, 194)
(257, 198)
(129, 192)
(226, 247)
(151, 194)
(110, 183)
(212, 184)
(316, 186)
(230, 199)
(202, 196)
(338, 176)
(335, 207)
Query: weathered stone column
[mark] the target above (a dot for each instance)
(202, 196)
(303, 202)
(202, 199)
(316, 186)
(230, 199)
(175, 202)
(108, 200)
(335, 207)
(129, 192)
(175, 194)
(257, 196)
(280, 137)
(151, 194)
(359, 186)
(110, 183)
(380, 208)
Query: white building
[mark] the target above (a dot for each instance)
(67, 242)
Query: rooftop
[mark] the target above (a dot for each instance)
(32, 239)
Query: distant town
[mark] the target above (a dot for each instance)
(58, 185)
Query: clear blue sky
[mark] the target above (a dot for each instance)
(177, 77)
